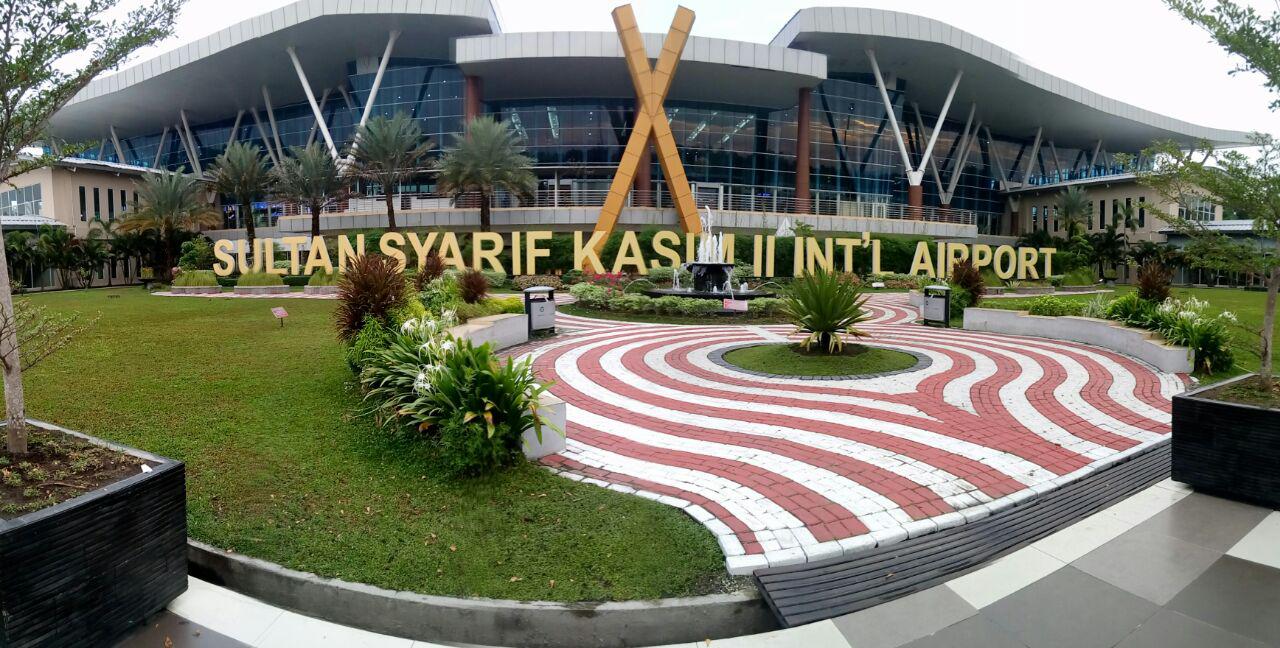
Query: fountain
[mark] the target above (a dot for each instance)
(712, 276)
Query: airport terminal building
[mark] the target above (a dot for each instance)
(851, 119)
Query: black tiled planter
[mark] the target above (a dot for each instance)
(85, 571)
(1227, 449)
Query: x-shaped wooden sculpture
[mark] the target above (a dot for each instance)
(651, 86)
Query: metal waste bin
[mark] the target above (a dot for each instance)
(540, 306)
(937, 306)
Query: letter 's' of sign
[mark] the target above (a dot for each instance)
(651, 86)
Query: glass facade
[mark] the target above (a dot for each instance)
(23, 201)
(738, 152)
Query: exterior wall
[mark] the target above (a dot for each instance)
(1109, 192)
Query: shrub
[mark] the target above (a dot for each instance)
(324, 279)
(409, 309)
(432, 269)
(1095, 308)
(1050, 306)
(631, 303)
(488, 307)
(661, 274)
(372, 337)
(1133, 310)
(825, 305)
(1079, 277)
(196, 278)
(741, 272)
(571, 277)
(496, 279)
(473, 286)
(372, 286)
(960, 298)
(441, 294)
(196, 254)
(639, 286)
(260, 279)
(699, 307)
(1153, 281)
(1187, 323)
(529, 281)
(590, 295)
(968, 279)
(765, 306)
(669, 305)
(296, 281)
(428, 381)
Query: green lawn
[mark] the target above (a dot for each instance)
(787, 360)
(280, 467)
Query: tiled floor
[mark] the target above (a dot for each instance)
(788, 470)
(1164, 569)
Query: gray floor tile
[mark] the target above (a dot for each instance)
(1211, 522)
(1169, 629)
(1070, 609)
(180, 632)
(911, 617)
(1236, 595)
(974, 632)
(1151, 565)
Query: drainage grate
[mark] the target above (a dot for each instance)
(801, 594)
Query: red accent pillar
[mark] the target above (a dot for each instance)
(804, 204)
(643, 184)
(473, 99)
(915, 201)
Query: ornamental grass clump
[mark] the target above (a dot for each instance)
(1154, 279)
(372, 286)
(473, 286)
(196, 278)
(471, 404)
(324, 279)
(825, 305)
(260, 279)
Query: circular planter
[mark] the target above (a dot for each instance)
(261, 290)
(485, 621)
(717, 356)
(195, 290)
(320, 290)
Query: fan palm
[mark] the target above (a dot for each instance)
(487, 159)
(825, 305)
(241, 172)
(309, 176)
(1075, 208)
(388, 152)
(171, 205)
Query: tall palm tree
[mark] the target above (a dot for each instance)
(1075, 208)
(1109, 246)
(21, 253)
(308, 175)
(169, 205)
(1125, 216)
(109, 234)
(57, 246)
(487, 159)
(91, 254)
(388, 152)
(241, 172)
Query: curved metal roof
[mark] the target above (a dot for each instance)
(1012, 96)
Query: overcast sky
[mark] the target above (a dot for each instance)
(1133, 50)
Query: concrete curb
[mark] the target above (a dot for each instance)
(319, 290)
(195, 290)
(922, 362)
(1136, 343)
(261, 290)
(484, 621)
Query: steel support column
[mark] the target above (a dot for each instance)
(311, 99)
(164, 139)
(262, 134)
(271, 119)
(115, 141)
(235, 129)
(191, 144)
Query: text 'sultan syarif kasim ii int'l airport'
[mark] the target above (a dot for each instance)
(866, 120)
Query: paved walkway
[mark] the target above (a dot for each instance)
(788, 470)
(1163, 569)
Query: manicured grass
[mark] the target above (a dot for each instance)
(791, 360)
(716, 320)
(280, 466)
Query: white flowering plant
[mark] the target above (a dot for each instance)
(426, 377)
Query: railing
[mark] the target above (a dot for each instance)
(765, 201)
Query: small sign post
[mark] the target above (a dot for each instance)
(280, 314)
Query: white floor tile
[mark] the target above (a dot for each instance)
(813, 635)
(294, 630)
(1005, 576)
(221, 610)
(1262, 544)
(1146, 504)
(1082, 537)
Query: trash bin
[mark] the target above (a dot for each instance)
(937, 306)
(540, 306)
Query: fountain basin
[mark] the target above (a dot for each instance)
(709, 276)
(709, 294)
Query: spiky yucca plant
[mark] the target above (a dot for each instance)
(826, 305)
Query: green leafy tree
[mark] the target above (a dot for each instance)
(388, 152)
(1248, 185)
(52, 49)
(487, 159)
(1075, 208)
(172, 206)
(308, 176)
(241, 172)
(1108, 248)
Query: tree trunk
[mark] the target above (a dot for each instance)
(485, 224)
(315, 219)
(246, 213)
(14, 403)
(1269, 328)
(391, 213)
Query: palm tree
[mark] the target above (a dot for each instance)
(21, 252)
(1109, 247)
(1126, 216)
(308, 175)
(57, 247)
(91, 254)
(388, 152)
(241, 172)
(488, 158)
(170, 204)
(1075, 208)
(109, 234)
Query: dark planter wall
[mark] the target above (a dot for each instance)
(87, 570)
(1227, 449)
